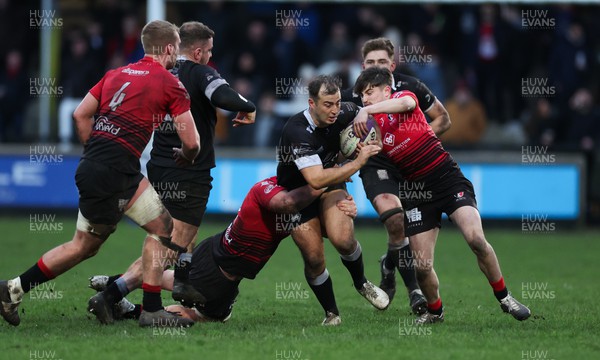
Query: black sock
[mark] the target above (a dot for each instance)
(357, 271)
(182, 267)
(406, 267)
(501, 294)
(135, 313)
(113, 294)
(325, 295)
(391, 259)
(354, 264)
(112, 279)
(151, 301)
(32, 278)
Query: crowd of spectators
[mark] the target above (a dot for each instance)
(509, 74)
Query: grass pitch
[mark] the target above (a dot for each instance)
(277, 316)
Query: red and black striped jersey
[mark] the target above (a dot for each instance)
(133, 101)
(409, 142)
(255, 233)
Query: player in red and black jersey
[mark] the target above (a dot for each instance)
(383, 184)
(409, 142)
(220, 262)
(307, 154)
(108, 176)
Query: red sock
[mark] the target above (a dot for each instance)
(435, 307)
(45, 269)
(498, 285)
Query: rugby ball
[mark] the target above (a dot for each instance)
(349, 140)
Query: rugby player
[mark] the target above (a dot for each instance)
(184, 191)
(412, 146)
(383, 183)
(307, 154)
(220, 262)
(108, 176)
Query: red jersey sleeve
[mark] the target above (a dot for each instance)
(265, 190)
(403, 93)
(177, 96)
(96, 91)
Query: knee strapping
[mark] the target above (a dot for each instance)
(389, 213)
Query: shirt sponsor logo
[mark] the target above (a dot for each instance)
(413, 215)
(460, 196)
(103, 124)
(382, 174)
(389, 139)
(132, 72)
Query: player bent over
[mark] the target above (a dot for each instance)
(307, 152)
(220, 262)
(418, 154)
(108, 176)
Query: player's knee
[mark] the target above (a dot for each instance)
(395, 227)
(479, 244)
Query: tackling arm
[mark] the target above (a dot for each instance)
(289, 202)
(190, 139)
(440, 120)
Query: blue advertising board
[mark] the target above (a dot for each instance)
(504, 191)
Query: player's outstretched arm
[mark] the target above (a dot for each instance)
(289, 202)
(190, 139)
(318, 177)
(228, 99)
(84, 117)
(440, 119)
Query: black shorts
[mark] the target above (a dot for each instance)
(380, 176)
(104, 192)
(207, 278)
(314, 208)
(183, 195)
(450, 191)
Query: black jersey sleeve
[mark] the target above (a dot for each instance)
(416, 86)
(348, 111)
(226, 98)
(208, 79)
(349, 95)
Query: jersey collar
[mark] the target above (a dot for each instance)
(311, 122)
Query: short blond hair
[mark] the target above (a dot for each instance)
(156, 35)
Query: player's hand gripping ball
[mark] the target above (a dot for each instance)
(349, 140)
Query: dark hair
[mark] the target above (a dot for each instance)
(372, 77)
(378, 44)
(192, 32)
(331, 83)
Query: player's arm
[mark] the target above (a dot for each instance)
(319, 177)
(289, 202)
(390, 106)
(190, 139)
(226, 98)
(84, 117)
(440, 119)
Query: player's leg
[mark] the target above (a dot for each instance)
(186, 202)
(100, 206)
(340, 231)
(381, 183)
(399, 254)
(309, 239)
(468, 220)
(423, 246)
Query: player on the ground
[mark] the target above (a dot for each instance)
(418, 154)
(220, 262)
(184, 190)
(383, 184)
(307, 153)
(108, 176)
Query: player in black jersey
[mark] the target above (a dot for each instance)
(307, 153)
(383, 184)
(182, 185)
